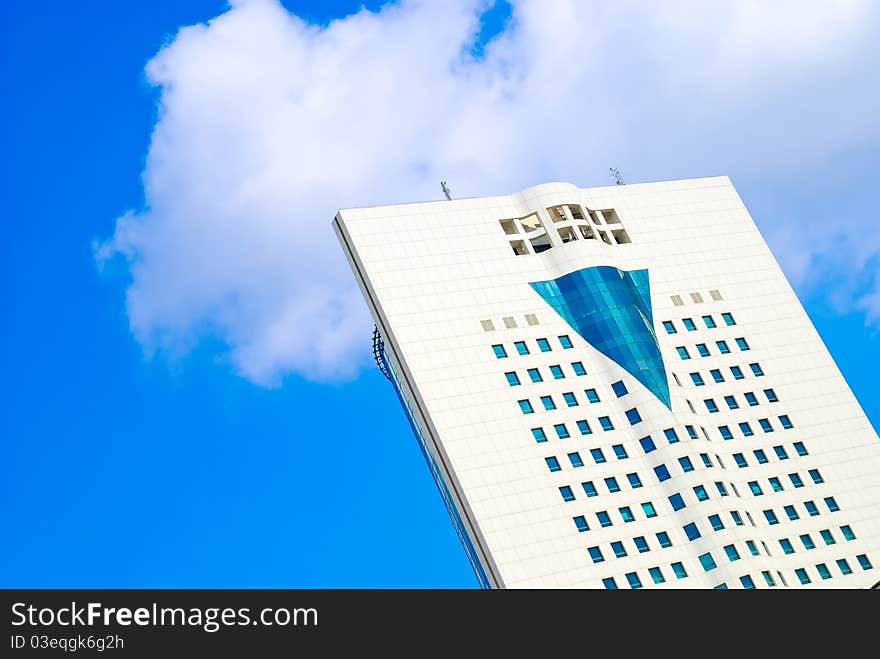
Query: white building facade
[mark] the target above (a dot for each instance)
(616, 387)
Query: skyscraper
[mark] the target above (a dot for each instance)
(616, 387)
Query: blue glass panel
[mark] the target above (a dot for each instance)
(611, 309)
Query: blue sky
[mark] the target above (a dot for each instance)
(158, 439)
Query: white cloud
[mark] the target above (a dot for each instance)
(268, 125)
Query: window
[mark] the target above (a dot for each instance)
(663, 539)
(750, 398)
(780, 452)
(531, 319)
(544, 345)
(775, 484)
(596, 554)
(662, 473)
(832, 504)
(669, 327)
(620, 452)
(611, 484)
(768, 578)
(728, 319)
(771, 517)
(765, 425)
(686, 464)
(800, 448)
(648, 509)
(604, 518)
(791, 512)
(618, 549)
(512, 378)
(633, 416)
(671, 435)
(647, 444)
(708, 562)
(538, 434)
(584, 427)
(521, 347)
(535, 375)
(709, 322)
(847, 532)
(816, 476)
(626, 514)
(740, 460)
(578, 368)
(746, 429)
(548, 403)
(698, 379)
(575, 459)
(605, 422)
(753, 548)
(633, 580)
(580, 522)
(716, 375)
(864, 562)
(771, 396)
(827, 537)
(756, 369)
(742, 344)
(702, 349)
(567, 495)
(552, 464)
(641, 544)
(707, 460)
(722, 347)
(843, 566)
(737, 373)
(785, 421)
(760, 456)
(720, 487)
(683, 352)
(736, 518)
(700, 493)
(656, 575)
(715, 521)
(786, 545)
(691, 531)
(569, 399)
(525, 406)
(565, 342)
(732, 553)
(589, 489)
(731, 402)
(747, 582)
(598, 456)
(688, 324)
(619, 389)
(807, 542)
(561, 431)
(678, 570)
(802, 575)
(691, 432)
(500, 352)
(676, 501)
(556, 372)
(591, 395)
(634, 480)
(710, 405)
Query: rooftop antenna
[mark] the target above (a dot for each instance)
(615, 174)
(445, 189)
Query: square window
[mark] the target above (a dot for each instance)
(521, 347)
(802, 575)
(669, 327)
(786, 545)
(538, 434)
(647, 444)
(708, 562)
(605, 422)
(686, 464)
(728, 319)
(722, 347)
(700, 493)
(565, 342)
(569, 399)
(690, 431)
(785, 421)
(732, 553)
(702, 349)
(556, 372)
(544, 345)
(756, 369)
(698, 379)
(791, 512)
(688, 324)
(750, 398)
(592, 396)
(807, 542)
(598, 456)
(535, 375)
(725, 432)
(648, 509)
(619, 388)
(742, 344)
(661, 472)
(780, 452)
(671, 435)
(710, 405)
(634, 480)
(731, 402)
(716, 375)
(603, 517)
(552, 464)
(633, 416)
(800, 448)
(827, 537)
(747, 582)
(746, 429)
(832, 504)
(580, 521)
(619, 451)
(596, 554)
(737, 373)
(548, 403)
(609, 583)
(691, 531)
(567, 495)
(512, 378)
(715, 521)
(816, 476)
(575, 459)
(641, 544)
(760, 456)
(795, 479)
(589, 489)
(500, 352)
(633, 580)
(578, 368)
(676, 501)
(683, 352)
(771, 517)
(847, 532)
(626, 514)
(864, 562)
(709, 322)
(656, 575)
(812, 510)
(843, 566)
(561, 431)
(678, 570)
(525, 406)
(740, 460)
(618, 549)
(584, 427)
(771, 396)
(765, 425)
(663, 539)
(775, 484)
(611, 484)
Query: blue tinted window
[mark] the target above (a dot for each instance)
(765, 425)
(737, 373)
(716, 522)
(662, 473)
(556, 372)
(605, 422)
(618, 549)
(750, 398)
(626, 514)
(569, 398)
(691, 531)
(753, 548)
(786, 545)
(747, 582)
(864, 562)
(710, 405)
(827, 537)
(736, 518)
(775, 484)
(589, 489)
(716, 375)
(822, 569)
(816, 476)
(578, 368)
(512, 378)
(700, 493)
(669, 327)
(785, 421)
(548, 403)
(500, 352)
(832, 504)
(676, 501)
(521, 347)
(728, 319)
(708, 562)
(800, 448)
(721, 489)
(604, 519)
(760, 456)
(609, 583)
(619, 451)
(567, 494)
(702, 349)
(795, 479)
(584, 427)
(671, 435)
(691, 432)
(732, 553)
(647, 444)
(648, 509)
(802, 575)
(596, 554)
(633, 416)
(535, 375)
(698, 379)
(575, 459)
(581, 523)
(641, 544)
(598, 456)
(656, 575)
(706, 460)
(746, 429)
(771, 396)
(561, 431)
(565, 342)
(544, 345)
(725, 432)
(722, 347)
(847, 532)
(592, 396)
(780, 452)
(843, 566)
(742, 344)
(552, 464)
(731, 402)
(525, 406)
(663, 539)
(768, 578)
(634, 480)
(538, 434)
(611, 484)
(634, 581)
(812, 510)
(771, 517)
(792, 513)
(686, 464)
(678, 570)
(619, 389)
(756, 369)
(688, 324)
(709, 322)
(740, 460)
(683, 352)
